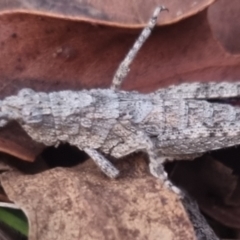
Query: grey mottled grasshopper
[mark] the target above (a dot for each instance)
(178, 122)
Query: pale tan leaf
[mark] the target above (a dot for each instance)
(81, 203)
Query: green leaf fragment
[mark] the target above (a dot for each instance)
(15, 219)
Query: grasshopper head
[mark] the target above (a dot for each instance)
(21, 108)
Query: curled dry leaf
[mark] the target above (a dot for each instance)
(81, 203)
(124, 13)
(14, 141)
(56, 54)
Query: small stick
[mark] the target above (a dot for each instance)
(123, 68)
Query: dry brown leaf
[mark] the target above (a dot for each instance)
(56, 54)
(224, 20)
(81, 203)
(14, 141)
(124, 13)
(215, 186)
